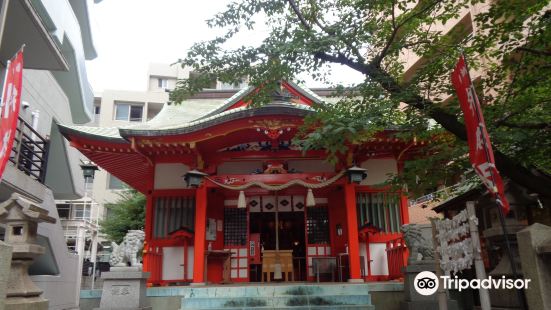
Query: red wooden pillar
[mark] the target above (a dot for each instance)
(404, 208)
(353, 240)
(403, 198)
(368, 258)
(200, 234)
(147, 256)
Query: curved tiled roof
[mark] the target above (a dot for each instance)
(182, 119)
(106, 133)
(229, 115)
(195, 114)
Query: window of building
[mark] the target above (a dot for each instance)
(115, 183)
(235, 226)
(379, 210)
(96, 113)
(172, 214)
(162, 83)
(136, 113)
(128, 112)
(63, 210)
(317, 225)
(81, 212)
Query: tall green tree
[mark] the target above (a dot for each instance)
(127, 213)
(510, 43)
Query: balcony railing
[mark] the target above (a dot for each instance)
(397, 255)
(30, 151)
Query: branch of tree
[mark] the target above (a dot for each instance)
(534, 51)
(506, 165)
(392, 38)
(536, 126)
(377, 60)
(305, 24)
(299, 14)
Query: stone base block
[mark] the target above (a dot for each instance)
(5, 262)
(426, 305)
(356, 281)
(20, 303)
(126, 287)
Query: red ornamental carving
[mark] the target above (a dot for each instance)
(273, 133)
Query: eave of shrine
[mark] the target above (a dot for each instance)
(195, 133)
(131, 153)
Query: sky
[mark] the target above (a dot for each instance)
(130, 34)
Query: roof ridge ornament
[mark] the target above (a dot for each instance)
(281, 94)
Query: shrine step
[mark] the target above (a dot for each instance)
(275, 301)
(324, 296)
(340, 307)
(262, 289)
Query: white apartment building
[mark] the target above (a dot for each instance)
(462, 26)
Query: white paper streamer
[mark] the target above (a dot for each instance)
(456, 246)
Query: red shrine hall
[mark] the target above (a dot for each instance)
(231, 198)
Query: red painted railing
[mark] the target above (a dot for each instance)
(397, 255)
(153, 260)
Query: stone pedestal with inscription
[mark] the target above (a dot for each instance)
(124, 288)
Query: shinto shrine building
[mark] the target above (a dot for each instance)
(254, 206)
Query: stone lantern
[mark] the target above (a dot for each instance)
(21, 217)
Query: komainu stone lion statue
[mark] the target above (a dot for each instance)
(416, 243)
(127, 251)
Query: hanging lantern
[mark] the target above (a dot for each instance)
(356, 174)
(88, 169)
(310, 199)
(194, 178)
(241, 201)
(339, 230)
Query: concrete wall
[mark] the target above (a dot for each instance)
(60, 288)
(310, 166)
(243, 167)
(157, 303)
(5, 260)
(169, 176)
(75, 82)
(378, 170)
(48, 101)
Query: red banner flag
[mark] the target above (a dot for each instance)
(480, 148)
(9, 107)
